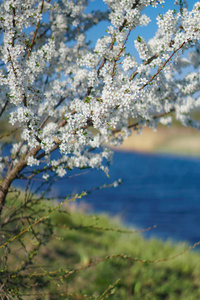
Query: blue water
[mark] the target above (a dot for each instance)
(156, 190)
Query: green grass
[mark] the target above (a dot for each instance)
(95, 257)
(84, 240)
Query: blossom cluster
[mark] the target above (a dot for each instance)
(65, 96)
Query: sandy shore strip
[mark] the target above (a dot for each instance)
(176, 140)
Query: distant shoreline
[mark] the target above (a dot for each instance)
(171, 140)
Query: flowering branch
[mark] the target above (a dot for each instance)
(35, 33)
(57, 88)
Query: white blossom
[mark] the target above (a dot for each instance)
(45, 176)
(64, 95)
(61, 171)
(32, 161)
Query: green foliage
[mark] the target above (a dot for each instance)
(60, 254)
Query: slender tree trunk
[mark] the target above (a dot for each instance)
(13, 174)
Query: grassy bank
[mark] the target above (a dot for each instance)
(95, 257)
(91, 238)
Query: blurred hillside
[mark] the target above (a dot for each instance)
(175, 139)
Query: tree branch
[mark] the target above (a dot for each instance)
(35, 33)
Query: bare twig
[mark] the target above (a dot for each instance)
(4, 107)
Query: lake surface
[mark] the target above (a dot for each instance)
(156, 189)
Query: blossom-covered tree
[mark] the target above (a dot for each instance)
(64, 96)
(55, 87)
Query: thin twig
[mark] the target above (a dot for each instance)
(160, 69)
(4, 107)
(35, 33)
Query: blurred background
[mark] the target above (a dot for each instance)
(160, 174)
